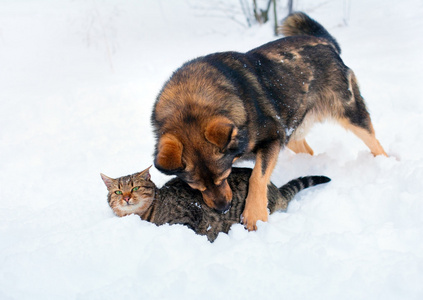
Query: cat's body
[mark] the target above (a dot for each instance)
(177, 203)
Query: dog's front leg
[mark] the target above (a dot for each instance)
(256, 203)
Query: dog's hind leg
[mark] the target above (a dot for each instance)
(300, 146)
(366, 135)
(356, 118)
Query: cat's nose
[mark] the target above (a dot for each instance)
(126, 199)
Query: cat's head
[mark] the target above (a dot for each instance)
(131, 194)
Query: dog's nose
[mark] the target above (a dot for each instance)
(222, 206)
(218, 198)
(219, 204)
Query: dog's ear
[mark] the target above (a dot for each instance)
(169, 153)
(221, 132)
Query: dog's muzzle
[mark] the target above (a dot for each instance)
(218, 197)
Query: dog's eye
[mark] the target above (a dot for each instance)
(222, 178)
(196, 186)
(220, 182)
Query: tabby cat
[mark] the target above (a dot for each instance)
(177, 203)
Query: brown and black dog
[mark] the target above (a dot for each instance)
(223, 106)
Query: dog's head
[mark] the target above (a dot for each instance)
(203, 158)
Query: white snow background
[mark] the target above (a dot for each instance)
(77, 83)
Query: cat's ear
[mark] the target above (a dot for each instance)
(169, 154)
(107, 180)
(145, 175)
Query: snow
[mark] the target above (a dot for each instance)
(78, 80)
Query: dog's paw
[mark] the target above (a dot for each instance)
(251, 215)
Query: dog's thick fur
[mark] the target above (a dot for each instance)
(217, 108)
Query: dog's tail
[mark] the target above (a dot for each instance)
(293, 187)
(299, 23)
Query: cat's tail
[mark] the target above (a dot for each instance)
(293, 187)
(298, 23)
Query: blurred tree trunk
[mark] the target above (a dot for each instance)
(261, 16)
(275, 17)
(290, 3)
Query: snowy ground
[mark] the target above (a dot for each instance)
(78, 80)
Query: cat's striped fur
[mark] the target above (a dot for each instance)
(177, 203)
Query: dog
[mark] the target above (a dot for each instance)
(224, 106)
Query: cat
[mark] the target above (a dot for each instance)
(177, 203)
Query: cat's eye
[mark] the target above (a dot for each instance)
(118, 193)
(135, 189)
